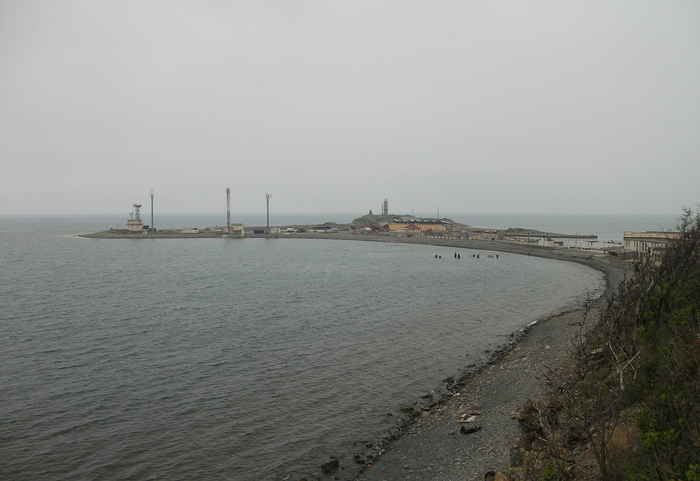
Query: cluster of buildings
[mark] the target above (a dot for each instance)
(407, 225)
(651, 243)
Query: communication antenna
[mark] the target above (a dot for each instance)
(268, 196)
(152, 225)
(228, 210)
(137, 211)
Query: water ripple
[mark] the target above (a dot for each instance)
(240, 360)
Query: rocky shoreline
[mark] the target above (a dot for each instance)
(434, 448)
(430, 444)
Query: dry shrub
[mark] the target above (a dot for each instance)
(631, 400)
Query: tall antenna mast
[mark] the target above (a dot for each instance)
(228, 210)
(152, 225)
(268, 196)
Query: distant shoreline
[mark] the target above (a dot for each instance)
(610, 266)
(151, 235)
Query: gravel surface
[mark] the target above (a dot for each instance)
(434, 448)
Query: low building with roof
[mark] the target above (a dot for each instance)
(409, 224)
(653, 243)
(575, 241)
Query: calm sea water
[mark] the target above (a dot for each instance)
(236, 359)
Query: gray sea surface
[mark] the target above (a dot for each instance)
(238, 359)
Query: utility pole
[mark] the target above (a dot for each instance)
(228, 210)
(268, 196)
(153, 227)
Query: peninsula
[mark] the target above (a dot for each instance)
(397, 228)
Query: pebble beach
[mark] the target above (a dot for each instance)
(434, 447)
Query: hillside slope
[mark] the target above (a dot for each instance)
(630, 406)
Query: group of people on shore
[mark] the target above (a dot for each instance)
(474, 256)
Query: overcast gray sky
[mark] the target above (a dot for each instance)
(333, 106)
